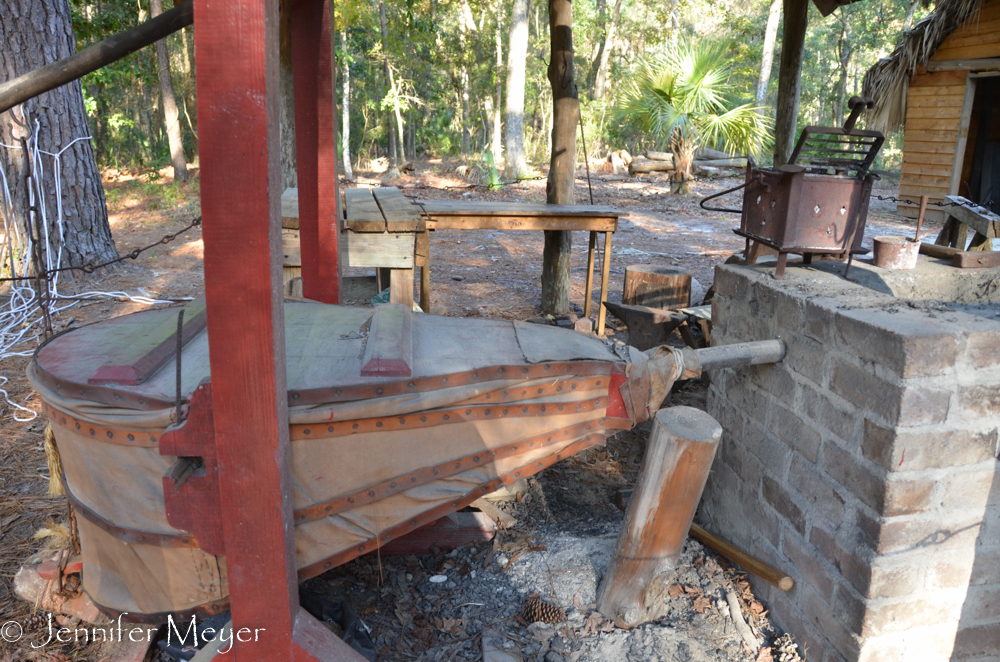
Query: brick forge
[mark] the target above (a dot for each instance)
(865, 464)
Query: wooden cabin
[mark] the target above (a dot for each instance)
(940, 84)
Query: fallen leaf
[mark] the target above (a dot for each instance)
(701, 603)
(765, 655)
(692, 590)
(675, 590)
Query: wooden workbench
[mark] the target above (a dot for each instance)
(362, 211)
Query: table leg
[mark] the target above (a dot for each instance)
(424, 242)
(589, 289)
(605, 272)
(401, 286)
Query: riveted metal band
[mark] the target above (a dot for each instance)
(139, 439)
(130, 536)
(429, 516)
(452, 467)
(443, 417)
(517, 393)
(161, 617)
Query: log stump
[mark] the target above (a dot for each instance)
(674, 470)
(656, 287)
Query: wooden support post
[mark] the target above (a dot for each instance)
(796, 16)
(588, 290)
(236, 45)
(602, 311)
(679, 454)
(316, 150)
(401, 286)
(561, 186)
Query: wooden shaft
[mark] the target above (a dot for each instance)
(605, 273)
(674, 470)
(94, 57)
(401, 286)
(751, 564)
(589, 289)
(920, 216)
(424, 239)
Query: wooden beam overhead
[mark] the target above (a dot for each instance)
(981, 64)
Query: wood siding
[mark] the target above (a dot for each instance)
(934, 109)
(933, 112)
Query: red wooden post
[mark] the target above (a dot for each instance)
(316, 149)
(237, 51)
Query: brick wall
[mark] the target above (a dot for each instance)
(865, 464)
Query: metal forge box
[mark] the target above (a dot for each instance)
(818, 202)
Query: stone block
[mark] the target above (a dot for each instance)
(847, 560)
(819, 613)
(816, 489)
(982, 606)
(981, 349)
(930, 530)
(928, 644)
(794, 431)
(891, 580)
(903, 615)
(820, 408)
(850, 608)
(951, 571)
(906, 497)
(911, 450)
(776, 380)
(980, 400)
(819, 322)
(866, 391)
(923, 406)
(784, 504)
(808, 565)
(790, 312)
(856, 475)
(747, 398)
(981, 642)
(986, 568)
(746, 466)
(907, 343)
(773, 453)
(807, 357)
(973, 489)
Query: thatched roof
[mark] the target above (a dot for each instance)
(888, 82)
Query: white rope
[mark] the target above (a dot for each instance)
(20, 319)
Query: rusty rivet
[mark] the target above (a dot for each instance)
(327, 509)
(546, 368)
(361, 549)
(410, 385)
(131, 437)
(517, 474)
(513, 448)
(540, 390)
(561, 407)
(307, 431)
(78, 426)
(435, 472)
(392, 484)
(487, 412)
(350, 499)
(454, 504)
(543, 408)
(458, 465)
(329, 428)
(152, 439)
(413, 479)
(413, 522)
(558, 388)
(488, 396)
(444, 380)
(524, 410)
(524, 392)
(558, 457)
(142, 401)
(469, 411)
(423, 419)
(572, 387)
(327, 564)
(295, 396)
(402, 421)
(378, 391)
(588, 427)
(531, 445)
(447, 417)
(578, 407)
(475, 459)
(504, 412)
(355, 426)
(378, 424)
(339, 391)
(475, 375)
(110, 434)
(371, 493)
(92, 433)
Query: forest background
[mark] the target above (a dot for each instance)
(439, 73)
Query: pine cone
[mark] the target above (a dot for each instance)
(534, 610)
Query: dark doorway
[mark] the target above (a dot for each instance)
(981, 164)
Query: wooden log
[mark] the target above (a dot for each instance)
(674, 470)
(708, 153)
(94, 57)
(795, 15)
(656, 287)
(651, 166)
(660, 156)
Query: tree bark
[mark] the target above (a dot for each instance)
(466, 25)
(170, 115)
(515, 164)
(35, 33)
(604, 54)
(789, 78)
(393, 149)
(767, 57)
(845, 49)
(560, 189)
(497, 117)
(345, 127)
(289, 168)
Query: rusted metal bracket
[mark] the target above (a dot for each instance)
(193, 504)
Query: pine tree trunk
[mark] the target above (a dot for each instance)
(796, 14)
(345, 127)
(170, 115)
(604, 55)
(767, 57)
(35, 33)
(393, 149)
(515, 164)
(560, 189)
(497, 147)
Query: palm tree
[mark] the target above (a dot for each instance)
(684, 100)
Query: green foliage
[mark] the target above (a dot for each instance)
(684, 101)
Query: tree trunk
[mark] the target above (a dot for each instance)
(345, 127)
(393, 150)
(497, 118)
(560, 189)
(908, 21)
(170, 115)
(35, 33)
(845, 50)
(515, 164)
(604, 54)
(767, 57)
(789, 78)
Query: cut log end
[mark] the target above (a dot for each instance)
(690, 424)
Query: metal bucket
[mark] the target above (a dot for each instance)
(893, 252)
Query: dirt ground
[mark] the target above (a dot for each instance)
(473, 273)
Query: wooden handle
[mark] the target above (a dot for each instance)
(752, 564)
(920, 216)
(944, 252)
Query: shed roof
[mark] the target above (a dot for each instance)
(888, 81)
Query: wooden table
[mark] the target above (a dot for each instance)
(377, 233)
(468, 215)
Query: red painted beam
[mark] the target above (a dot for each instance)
(316, 150)
(236, 45)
